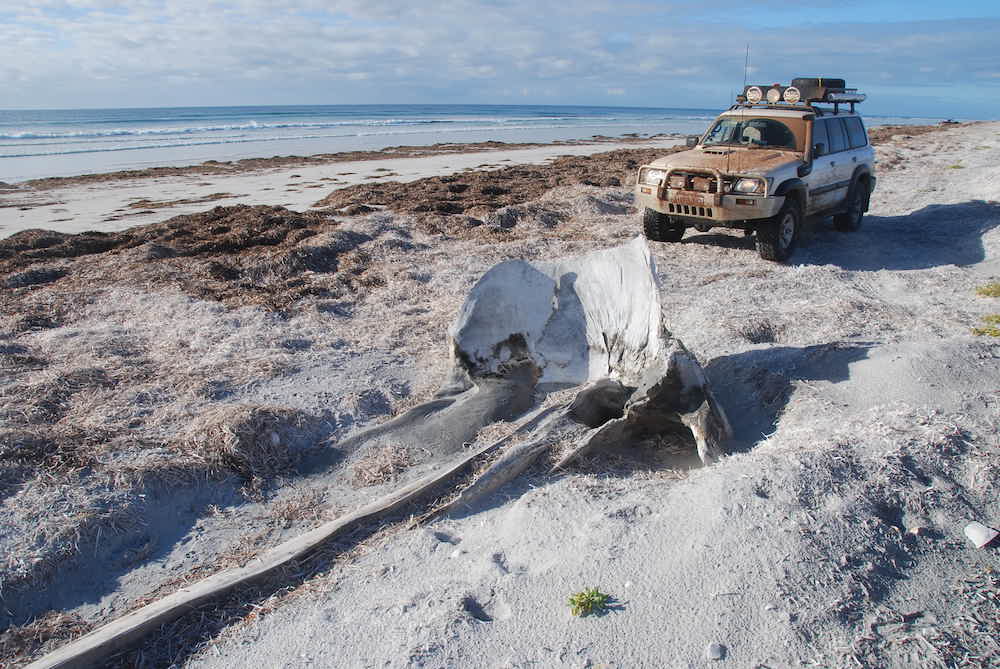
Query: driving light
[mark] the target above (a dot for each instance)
(755, 186)
(652, 177)
(774, 96)
(792, 95)
(678, 181)
(754, 95)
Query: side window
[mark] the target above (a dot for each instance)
(856, 132)
(820, 137)
(838, 136)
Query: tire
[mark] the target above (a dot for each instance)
(777, 236)
(658, 228)
(857, 197)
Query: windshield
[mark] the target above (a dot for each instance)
(752, 132)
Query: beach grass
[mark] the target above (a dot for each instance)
(991, 289)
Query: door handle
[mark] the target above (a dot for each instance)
(854, 159)
(833, 163)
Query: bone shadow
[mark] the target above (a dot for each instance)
(754, 386)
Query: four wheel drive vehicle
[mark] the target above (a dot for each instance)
(765, 164)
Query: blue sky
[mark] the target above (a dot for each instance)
(913, 58)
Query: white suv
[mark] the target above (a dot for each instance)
(765, 164)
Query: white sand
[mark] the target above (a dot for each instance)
(793, 554)
(867, 425)
(105, 206)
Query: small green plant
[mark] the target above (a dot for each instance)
(991, 289)
(956, 166)
(991, 329)
(588, 601)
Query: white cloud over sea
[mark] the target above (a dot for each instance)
(70, 53)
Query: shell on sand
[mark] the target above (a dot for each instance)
(980, 535)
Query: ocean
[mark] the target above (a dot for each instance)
(68, 142)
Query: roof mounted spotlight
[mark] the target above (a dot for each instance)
(792, 95)
(774, 96)
(754, 95)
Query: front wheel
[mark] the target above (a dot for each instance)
(776, 237)
(658, 227)
(850, 220)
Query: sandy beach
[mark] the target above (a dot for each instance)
(185, 355)
(112, 202)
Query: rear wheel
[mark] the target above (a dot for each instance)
(659, 228)
(776, 237)
(850, 220)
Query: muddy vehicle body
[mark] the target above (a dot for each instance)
(777, 156)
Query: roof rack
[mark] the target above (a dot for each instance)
(812, 108)
(803, 93)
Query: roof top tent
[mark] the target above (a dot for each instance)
(807, 90)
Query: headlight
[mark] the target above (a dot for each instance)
(650, 177)
(755, 186)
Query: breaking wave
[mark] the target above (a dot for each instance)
(91, 147)
(256, 126)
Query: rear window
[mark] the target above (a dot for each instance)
(838, 136)
(856, 132)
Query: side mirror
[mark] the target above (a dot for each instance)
(819, 149)
(692, 140)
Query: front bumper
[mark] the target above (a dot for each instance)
(721, 209)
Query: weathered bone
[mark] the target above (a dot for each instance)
(591, 320)
(557, 426)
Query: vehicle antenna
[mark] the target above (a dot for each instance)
(746, 67)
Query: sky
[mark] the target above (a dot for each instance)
(912, 57)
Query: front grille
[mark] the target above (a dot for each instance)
(689, 210)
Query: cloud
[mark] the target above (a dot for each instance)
(92, 52)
